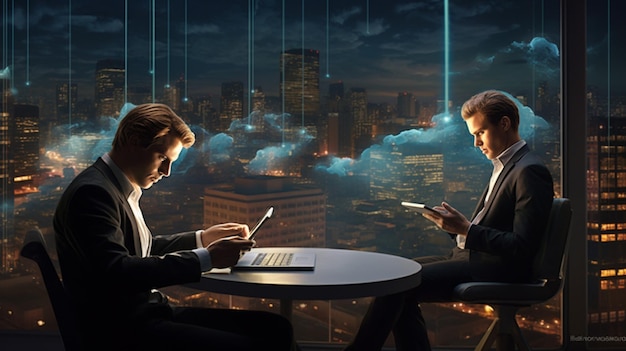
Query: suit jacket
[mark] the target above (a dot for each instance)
(505, 241)
(98, 248)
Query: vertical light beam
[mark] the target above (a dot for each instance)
(28, 43)
(282, 93)
(69, 73)
(185, 98)
(446, 60)
(327, 40)
(302, 82)
(608, 73)
(153, 51)
(367, 16)
(167, 81)
(125, 51)
(250, 55)
(12, 71)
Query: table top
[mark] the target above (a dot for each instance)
(338, 274)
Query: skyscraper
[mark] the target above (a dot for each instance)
(403, 173)
(406, 105)
(25, 145)
(300, 84)
(66, 98)
(110, 82)
(361, 122)
(7, 127)
(606, 226)
(231, 103)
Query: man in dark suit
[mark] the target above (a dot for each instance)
(497, 244)
(111, 264)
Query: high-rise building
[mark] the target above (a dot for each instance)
(25, 146)
(362, 124)
(338, 122)
(300, 84)
(258, 99)
(231, 103)
(110, 83)
(66, 98)
(606, 226)
(299, 217)
(403, 172)
(406, 105)
(8, 251)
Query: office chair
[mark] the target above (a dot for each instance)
(35, 248)
(507, 298)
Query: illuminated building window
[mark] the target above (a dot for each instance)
(608, 226)
(607, 273)
(594, 237)
(608, 237)
(604, 285)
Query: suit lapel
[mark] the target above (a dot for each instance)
(505, 172)
(134, 245)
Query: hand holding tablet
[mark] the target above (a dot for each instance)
(421, 208)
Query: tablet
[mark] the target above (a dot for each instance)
(265, 217)
(421, 208)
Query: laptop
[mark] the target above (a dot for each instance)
(272, 260)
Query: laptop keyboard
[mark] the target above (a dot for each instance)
(273, 259)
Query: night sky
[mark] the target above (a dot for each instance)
(384, 46)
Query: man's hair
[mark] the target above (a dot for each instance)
(494, 105)
(146, 124)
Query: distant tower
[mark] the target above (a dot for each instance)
(110, 77)
(406, 173)
(7, 221)
(606, 226)
(300, 84)
(362, 124)
(258, 99)
(406, 105)
(231, 103)
(66, 98)
(26, 145)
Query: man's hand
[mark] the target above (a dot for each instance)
(223, 230)
(225, 252)
(449, 219)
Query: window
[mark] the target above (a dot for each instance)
(324, 92)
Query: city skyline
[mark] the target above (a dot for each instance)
(379, 48)
(384, 48)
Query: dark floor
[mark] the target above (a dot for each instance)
(24, 341)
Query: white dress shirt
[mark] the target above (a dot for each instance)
(498, 166)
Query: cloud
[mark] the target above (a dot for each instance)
(342, 17)
(448, 129)
(97, 25)
(206, 28)
(408, 7)
(375, 27)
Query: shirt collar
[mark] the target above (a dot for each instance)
(507, 154)
(128, 188)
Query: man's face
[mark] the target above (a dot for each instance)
(490, 138)
(155, 162)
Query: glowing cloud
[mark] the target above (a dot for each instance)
(448, 131)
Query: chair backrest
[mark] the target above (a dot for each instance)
(550, 259)
(35, 248)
